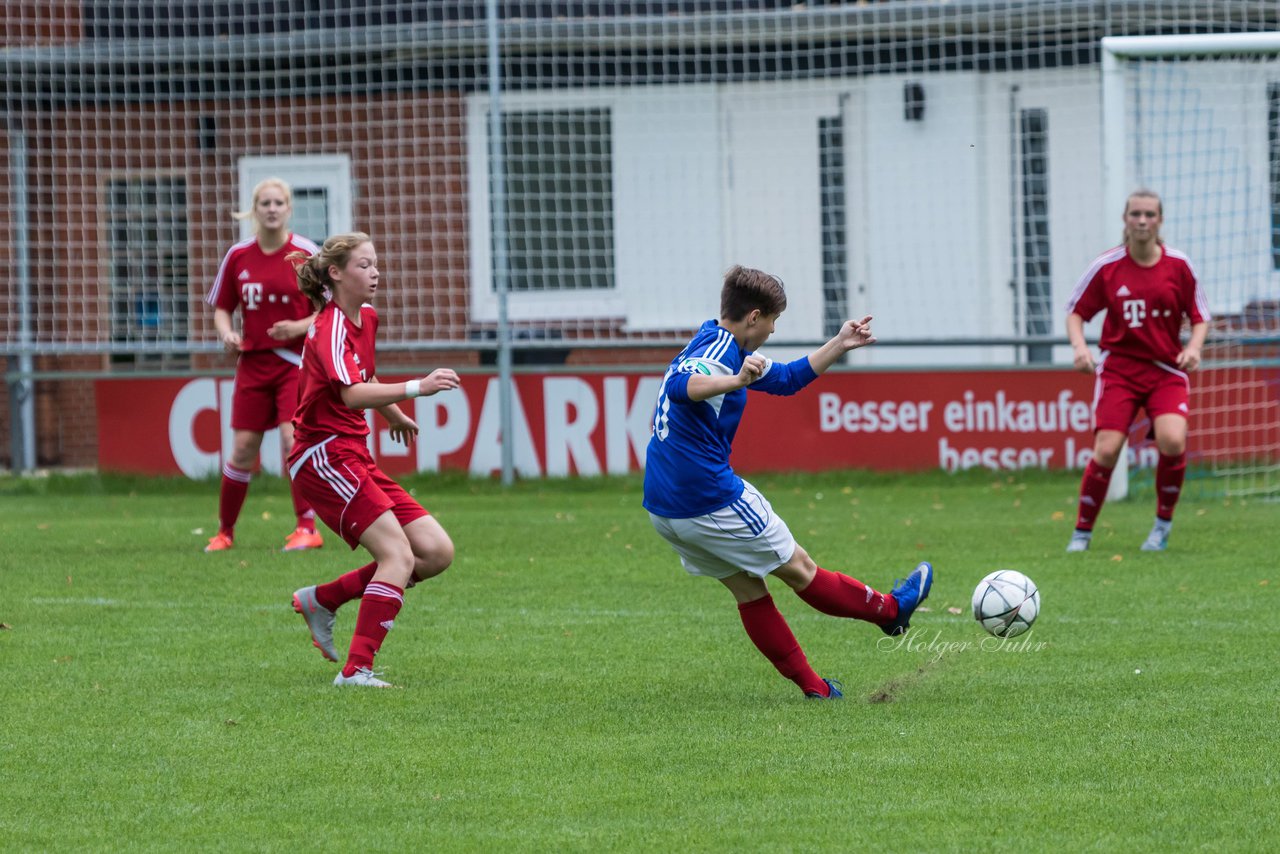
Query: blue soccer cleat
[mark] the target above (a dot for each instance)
(909, 592)
(833, 686)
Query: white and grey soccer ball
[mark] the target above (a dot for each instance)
(1006, 603)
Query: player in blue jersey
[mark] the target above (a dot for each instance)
(719, 524)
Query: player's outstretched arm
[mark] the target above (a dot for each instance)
(375, 395)
(852, 335)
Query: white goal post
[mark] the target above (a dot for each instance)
(1206, 135)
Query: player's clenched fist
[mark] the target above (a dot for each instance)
(441, 379)
(752, 369)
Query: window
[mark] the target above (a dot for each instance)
(835, 294)
(147, 264)
(1273, 160)
(321, 185)
(310, 216)
(1036, 269)
(559, 200)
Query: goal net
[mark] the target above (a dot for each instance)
(934, 164)
(938, 165)
(1197, 118)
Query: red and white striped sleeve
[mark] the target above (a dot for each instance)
(334, 349)
(224, 293)
(1195, 303)
(1086, 301)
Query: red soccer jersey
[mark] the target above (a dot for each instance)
(265, 287)
(1144, 305)
(338, 353)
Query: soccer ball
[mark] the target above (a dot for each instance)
(1006, 602)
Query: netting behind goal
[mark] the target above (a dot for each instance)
(1202, 127)
(935, 164)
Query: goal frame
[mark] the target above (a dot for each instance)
(1115, 177)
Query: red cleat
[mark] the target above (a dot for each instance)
(301, 540)
(219, 543)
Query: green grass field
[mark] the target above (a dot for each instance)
(567, 687)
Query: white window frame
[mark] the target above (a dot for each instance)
(574, 304)
(330, 172)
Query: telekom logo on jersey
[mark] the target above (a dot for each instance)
(251, 295)
(588, 426)
(1135, 311)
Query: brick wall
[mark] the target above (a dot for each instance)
(48, 22)
(407, 152)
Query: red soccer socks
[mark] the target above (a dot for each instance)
(235, 486)
(841, 596)
(346, 587)
(769, 631)
(378, 611)
(1170, 472)
(1093, 492)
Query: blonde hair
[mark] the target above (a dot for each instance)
(313, 270)
(1141, 193)
(279, 183)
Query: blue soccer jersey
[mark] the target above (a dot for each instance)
(687, 471)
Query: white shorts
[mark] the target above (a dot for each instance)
(747, 536)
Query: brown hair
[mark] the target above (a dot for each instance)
(257, 191)
(746, 289)
(313, 271)
(1141, 193)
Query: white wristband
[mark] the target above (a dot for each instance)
(413, 388)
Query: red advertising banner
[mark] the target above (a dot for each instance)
(591, 424)
(909, 421)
